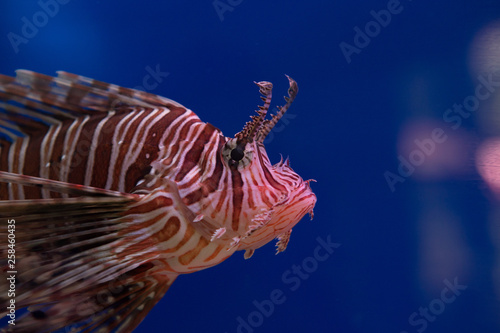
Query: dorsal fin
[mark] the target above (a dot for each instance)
(75, 93)
(128, 94)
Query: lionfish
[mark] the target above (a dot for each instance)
(114, 192)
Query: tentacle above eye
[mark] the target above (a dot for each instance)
(252, 128)
(258, 128)
(269, 124)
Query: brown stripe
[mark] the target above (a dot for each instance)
(103, 151)
(57, 151)
(215, 253)
(150, 205)
(127, 144)
(190, 231)
(237, 196)
(174, 113)
(269, 176)
(82, 150)
(194, 179)
(218, 207)
(4, 160)
(192, 157)
(251, 203)
(189, 256)
(32, 166)
(170, 229)
(142, 165)
(209, 185)
(205, 166)
(182, 136)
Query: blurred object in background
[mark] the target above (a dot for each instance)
(436, 151)
(488, 164)
(485, 61)
(485, 50)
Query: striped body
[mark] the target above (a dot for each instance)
(110, 150)
(149, 190)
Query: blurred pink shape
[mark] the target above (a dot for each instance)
(488, 163)
(484, 50)
(434, 157)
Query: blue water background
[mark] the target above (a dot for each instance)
(400, 247)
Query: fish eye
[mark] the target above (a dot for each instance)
(236, 154)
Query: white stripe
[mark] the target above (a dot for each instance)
(134, 151)
(89, 170)
(70, 142)
(115, 152)
(45, 163)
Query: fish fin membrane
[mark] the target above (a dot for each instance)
(75, 93)
(31, 103)
(72, 267)
(117, 306)
(60, 187)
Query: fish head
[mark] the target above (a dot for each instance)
(268, 199)
(254, 201)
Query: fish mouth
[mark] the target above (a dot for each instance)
(286, 215)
